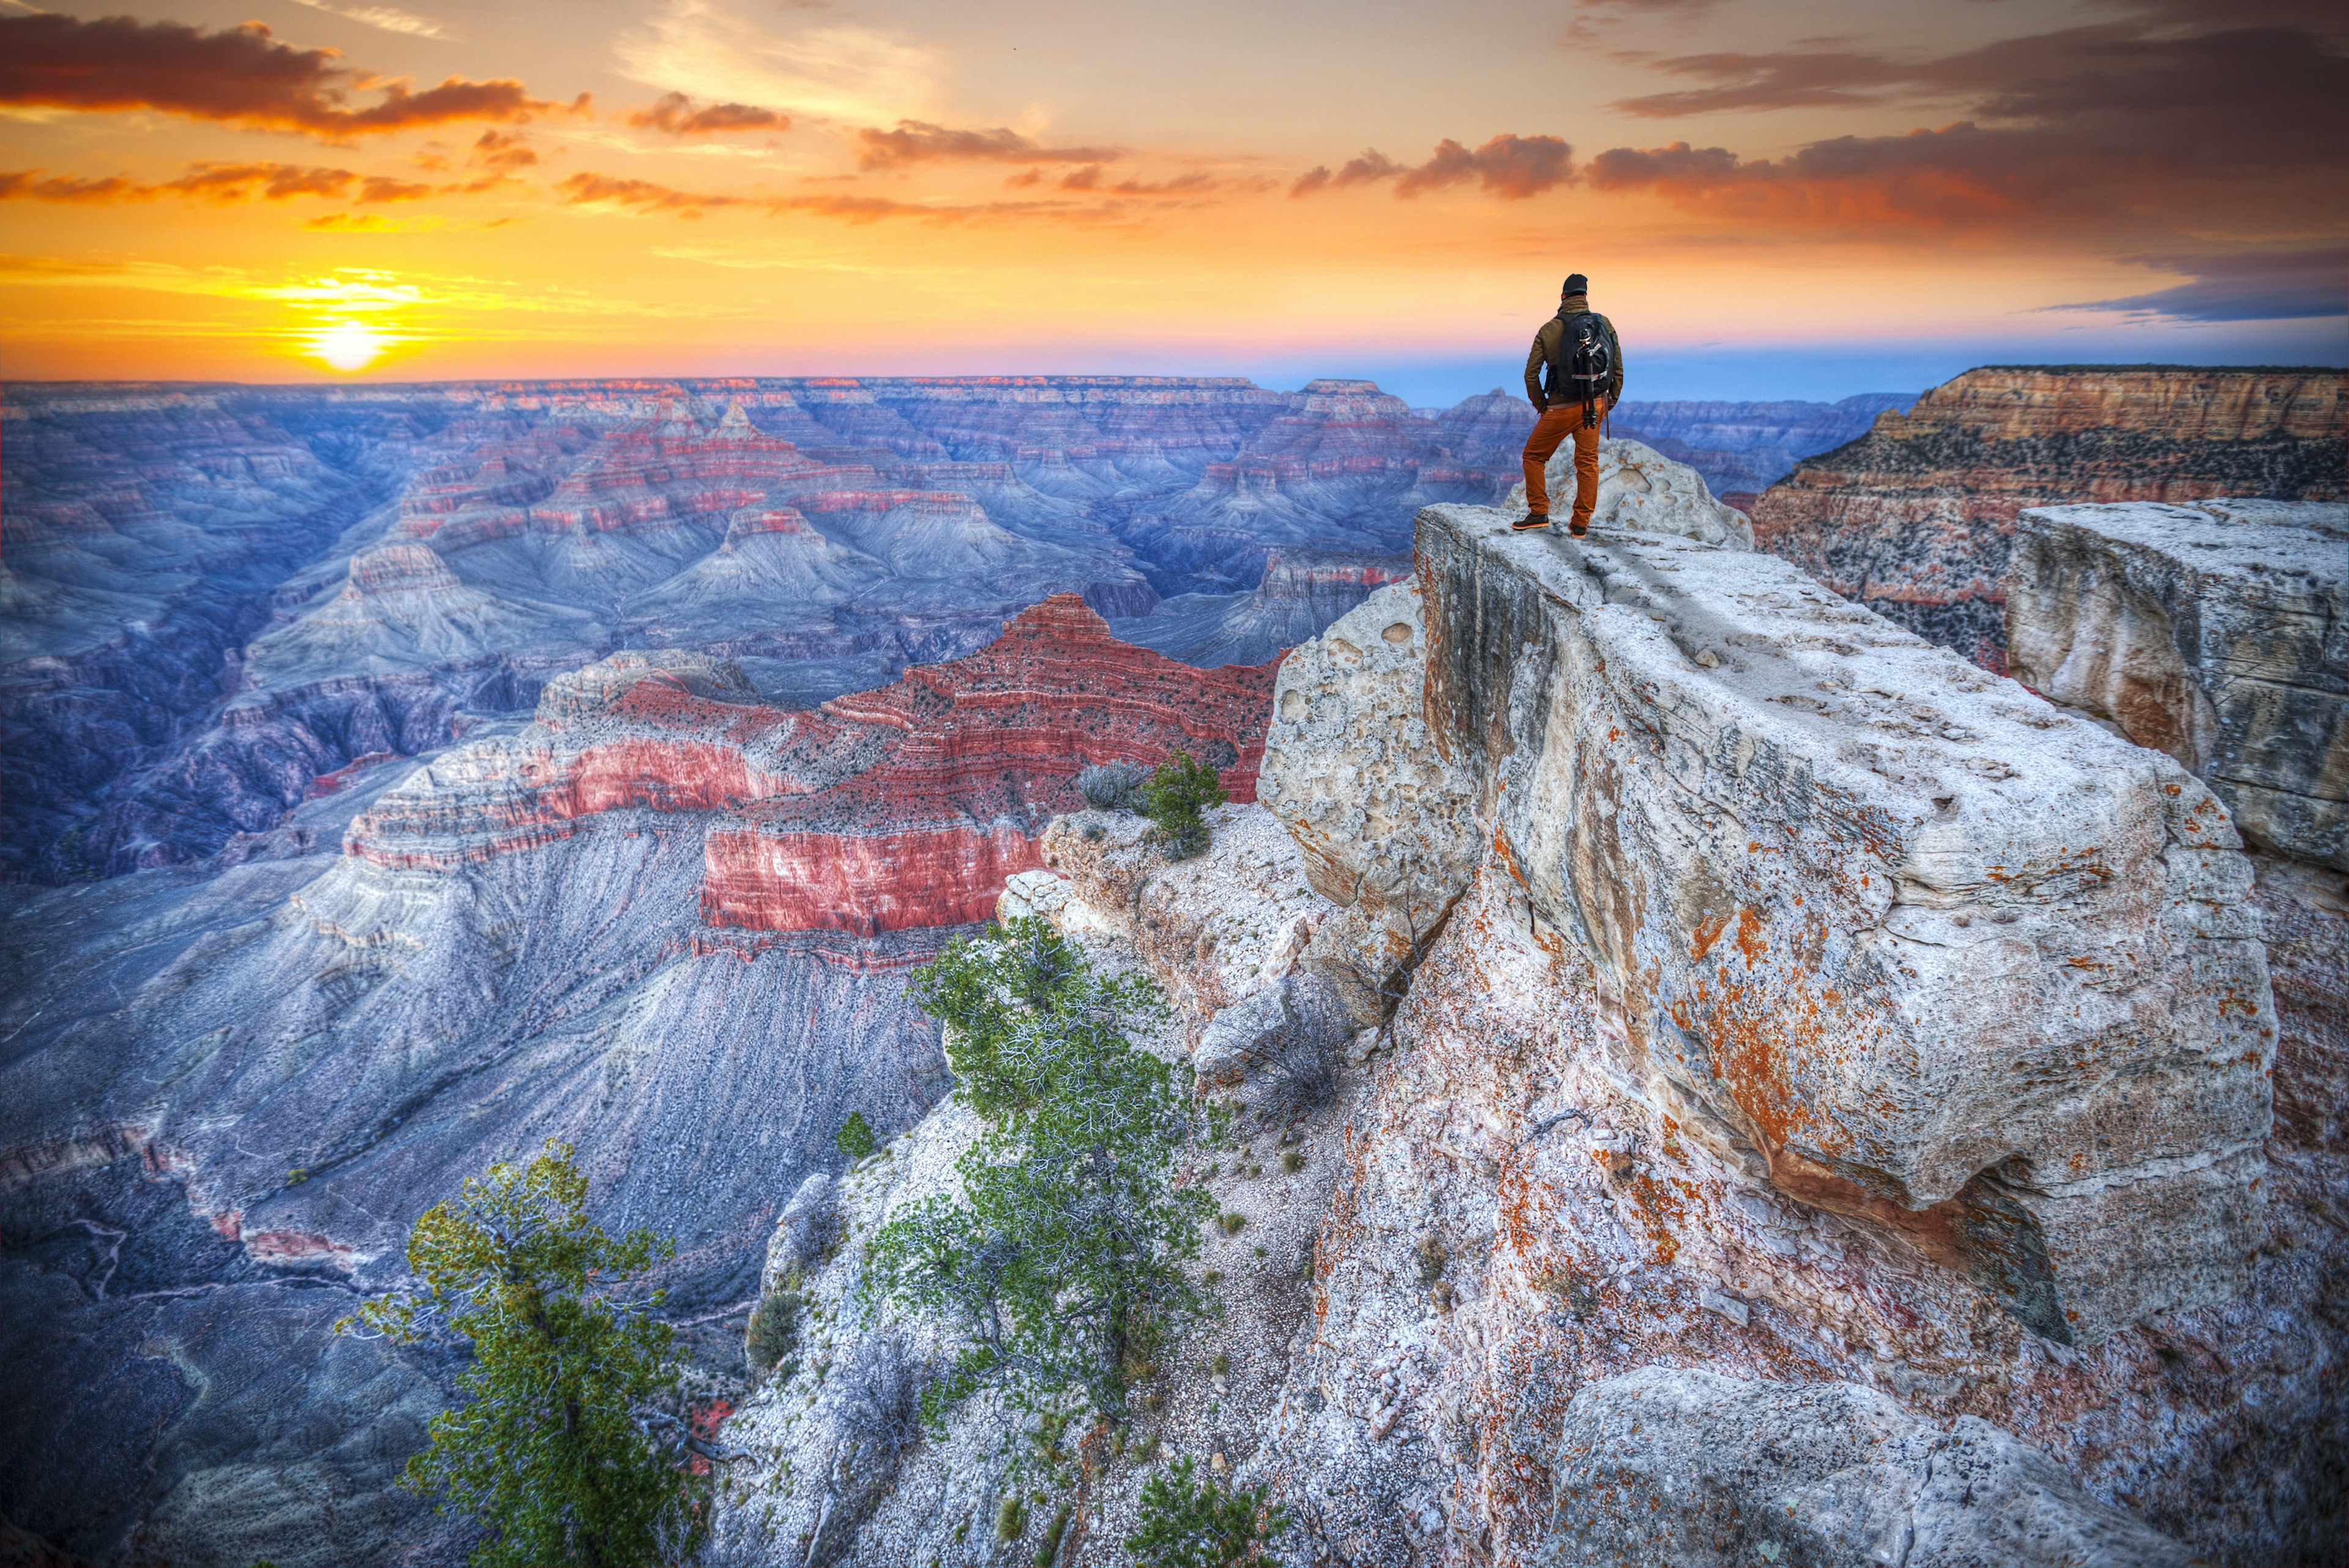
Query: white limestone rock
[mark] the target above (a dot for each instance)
(1641, 489)
(2216, 632)
(1946, 956)
(1383, 821)
(1690, 1468)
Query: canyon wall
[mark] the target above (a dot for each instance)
(218, 594)
(665, 920)
(1915, 518)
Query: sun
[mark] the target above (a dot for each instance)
(348, 346)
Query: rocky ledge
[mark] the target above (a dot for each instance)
(1825, 1118)
(2217, 633)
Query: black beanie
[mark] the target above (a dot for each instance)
(1576, 284)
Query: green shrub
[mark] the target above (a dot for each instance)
(774, 1330)
(1176, 799)
(854, 1138)
(1293, 1162)
(1233, 1223)
(1012, 1519)
(1202, 1524)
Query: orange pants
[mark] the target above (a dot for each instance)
(1550, 432)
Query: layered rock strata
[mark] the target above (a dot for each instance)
(1914, 519)
(2217, 633)
(900, 809)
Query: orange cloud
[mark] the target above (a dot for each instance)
(640, 195)
(644, 196)
(241, 75)
(674, 113)
(918, 141)
(209, 181)
(503, 151)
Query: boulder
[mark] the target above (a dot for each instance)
(1701, 1471)
(1382, 819)
(2216, 632)
(1947, 957)
(1641, 488)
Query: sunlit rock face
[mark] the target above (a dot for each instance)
(665, 920)
(1915, 519)
(2217, 633)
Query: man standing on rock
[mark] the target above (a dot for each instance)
(1585, 363)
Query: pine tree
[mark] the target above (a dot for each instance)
(559, 1449)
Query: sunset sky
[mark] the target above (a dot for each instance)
(1808, 198)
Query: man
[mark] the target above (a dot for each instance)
(1585, 363)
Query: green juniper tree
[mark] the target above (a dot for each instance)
(1176, 798)
(1060, 1266)
(1188, 1523)
(560, 1450)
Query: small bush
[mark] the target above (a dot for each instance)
(1012, 1519)
(1176, 798)
(856, 1135)
(774, 1330)
(1233, 1223)
(1188, 1523)
(1293, 1162)
(1111, 786)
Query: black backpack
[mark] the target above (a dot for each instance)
(1581, 367)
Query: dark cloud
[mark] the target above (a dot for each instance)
(206, 182)
(918, 141)
(676, 114)
(2134, 138)
(241, 75)
(2250, 285)
(1510, 167)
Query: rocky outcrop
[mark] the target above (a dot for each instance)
(2217, 633)
(1914, 519)
(1765, 814)
(1691, 1468)
(1642, 490)
(896, 809)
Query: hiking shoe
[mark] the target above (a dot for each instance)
(1578, 530)
(1531, 521)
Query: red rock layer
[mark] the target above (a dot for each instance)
(1914, 519)
(902, 808)
(985, 750)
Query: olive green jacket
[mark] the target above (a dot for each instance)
(1545, 343)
